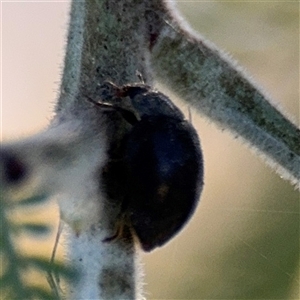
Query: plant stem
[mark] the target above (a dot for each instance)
(219, 89)
(105, 42)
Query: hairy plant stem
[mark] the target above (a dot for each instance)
(219, 89)
(106, 41)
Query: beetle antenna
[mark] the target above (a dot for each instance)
(128, 115)
(103, 105)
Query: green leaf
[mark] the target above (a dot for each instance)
(45, 265)
(38, 199)
(35, 229)
(40, 293)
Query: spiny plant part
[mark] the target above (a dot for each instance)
(160, 169)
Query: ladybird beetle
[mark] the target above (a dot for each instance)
(161, 159)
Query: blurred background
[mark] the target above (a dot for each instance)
(243, 241)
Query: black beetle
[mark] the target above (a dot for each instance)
(161, 160)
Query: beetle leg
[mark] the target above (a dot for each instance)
(118, 232)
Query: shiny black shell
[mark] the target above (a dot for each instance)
(162, 165)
